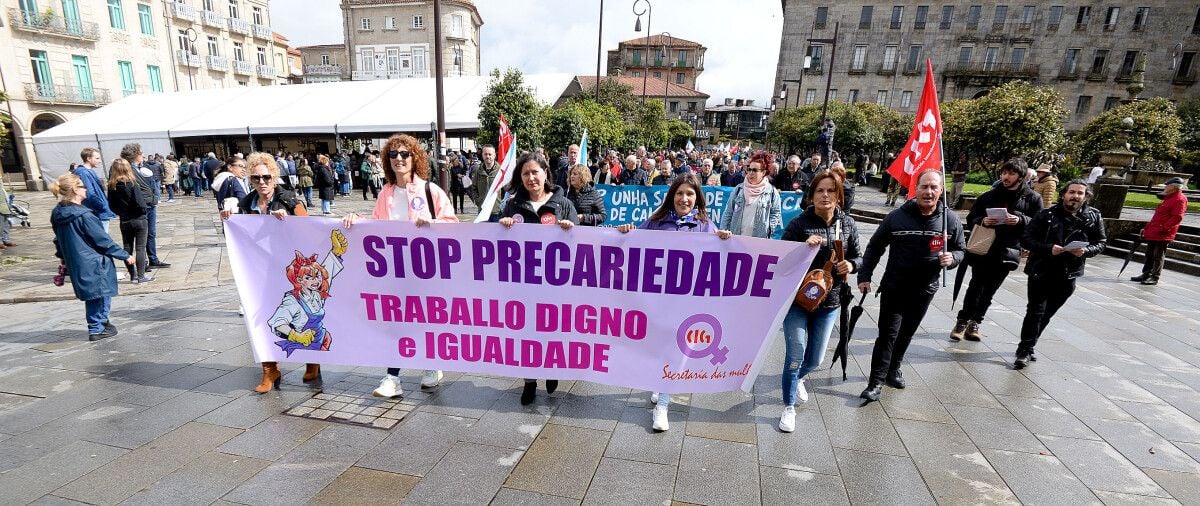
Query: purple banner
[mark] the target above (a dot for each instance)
(662, 311)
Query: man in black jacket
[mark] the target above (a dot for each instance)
(149, 186)
(1059, 239)
(921, 247)
(1020, 203)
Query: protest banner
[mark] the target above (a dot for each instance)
(531, 301)
(633, 204)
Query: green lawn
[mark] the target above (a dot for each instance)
(1142, 200)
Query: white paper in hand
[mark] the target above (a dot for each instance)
(997, 213)
(1074, 245)
(399, 210)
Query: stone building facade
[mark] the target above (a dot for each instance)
(390, 39)
(678, 61)
(1085, 50)
(63, 58)
(324, 63)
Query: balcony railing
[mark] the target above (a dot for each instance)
(243, 67)
(1068, 74)
(187, 59)
(1096, 76)
(213, 19)
(239, 26)
(262, 32)
(265, 70)
(217, 62)
(995, 69)
(183, 11)
(72, 95)
(375, 75)
(857, 69)
(53, 25)
(322, 70)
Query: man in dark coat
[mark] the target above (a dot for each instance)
(988, 271)
(1059, 240)
(150, 189)
(924, 238)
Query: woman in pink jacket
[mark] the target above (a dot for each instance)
(407, 195)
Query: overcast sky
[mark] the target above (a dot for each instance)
(544, 36)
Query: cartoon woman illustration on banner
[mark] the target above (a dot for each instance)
(299, 319)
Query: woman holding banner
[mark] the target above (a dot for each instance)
(755, 208)
(537, 200)
(266, 198)
(407, 195)
(806, 333)
(683, 210)
(589, 205)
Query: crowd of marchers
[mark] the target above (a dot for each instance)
(1053, 230)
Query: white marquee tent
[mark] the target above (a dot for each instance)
(348, 107)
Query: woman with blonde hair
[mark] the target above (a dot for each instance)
(589, 205)
(407, 195)
(85, 249)
(126, 199)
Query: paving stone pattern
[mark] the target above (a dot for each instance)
(164, 414)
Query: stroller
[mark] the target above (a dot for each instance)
(20, 212)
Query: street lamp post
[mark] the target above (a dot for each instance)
(599, 48)
(441, 99)
(191, 50)
(637, 27)
(667, 58)
(829, 78)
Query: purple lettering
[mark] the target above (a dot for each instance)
(532, 263)
(391, 308)
(531, 353)
(600, 357)
(611, 258)
(508, 261)
(585, 266)
(449, 252)
(555, 275)
(370, 299)
(377, 264)
(635, 325)
(680, 272)
(437, 310)
(546, 314)
(423, 261)
(483, 253)
(763, 273)
(708, 275)
(653, 264)
(737, 274)
(397, 244)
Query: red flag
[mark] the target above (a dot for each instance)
(734, 149)
(923, 151)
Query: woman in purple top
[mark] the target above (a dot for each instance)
(682, 210)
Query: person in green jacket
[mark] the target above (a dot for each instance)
(482, 179)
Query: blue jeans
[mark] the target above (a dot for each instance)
(97, 313)
(307, 195)
(325, 206)
(197, 187)
(170, 191)
(151, 250)
(805, 336)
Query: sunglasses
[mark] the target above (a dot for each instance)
(756, 170)
(393, 154)
(267, 178)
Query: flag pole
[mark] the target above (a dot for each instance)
(946, 213)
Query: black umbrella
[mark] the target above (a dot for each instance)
(847, 329)
(958, 282)
(1137, 241)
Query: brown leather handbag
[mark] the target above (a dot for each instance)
(817, 283)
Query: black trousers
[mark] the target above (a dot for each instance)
(1046, 296)
(1156, 254)
(900, 313)
(133, 238)
(986, 279)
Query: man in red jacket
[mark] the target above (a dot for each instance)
(1161, 229)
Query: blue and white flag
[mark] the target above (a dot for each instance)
(582, 160)
(690, 146)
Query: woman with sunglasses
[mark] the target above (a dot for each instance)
(407, 195)
(755, 208)
(84, 247)
(267, 198)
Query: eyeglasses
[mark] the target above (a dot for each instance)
(756, 170)
(265, 178)
(393, 154)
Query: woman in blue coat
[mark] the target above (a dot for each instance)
(82, 244)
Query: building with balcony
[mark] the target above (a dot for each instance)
(738, 119)
(667, 58)
(1086, 51)
(679, 102)
(64, 58)
(230, 43)
(324, 63)
(388, 39)
(286, 61)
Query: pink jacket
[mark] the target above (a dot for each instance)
(1167, 217)
(416, 188)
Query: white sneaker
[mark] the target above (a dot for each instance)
(787, 421)
(654, 398)
(431, 379)
(660, 420)
(389, 387)
(801, 392)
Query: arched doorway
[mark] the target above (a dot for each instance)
(11, 163)
(45, 121)
(982, 94)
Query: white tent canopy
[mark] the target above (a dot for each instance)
(349, 107)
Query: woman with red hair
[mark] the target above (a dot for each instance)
(755, 207)
(408, 195)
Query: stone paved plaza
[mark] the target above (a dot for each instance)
(163, 414)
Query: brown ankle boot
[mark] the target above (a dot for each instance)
(270, 379)
(312, 372)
